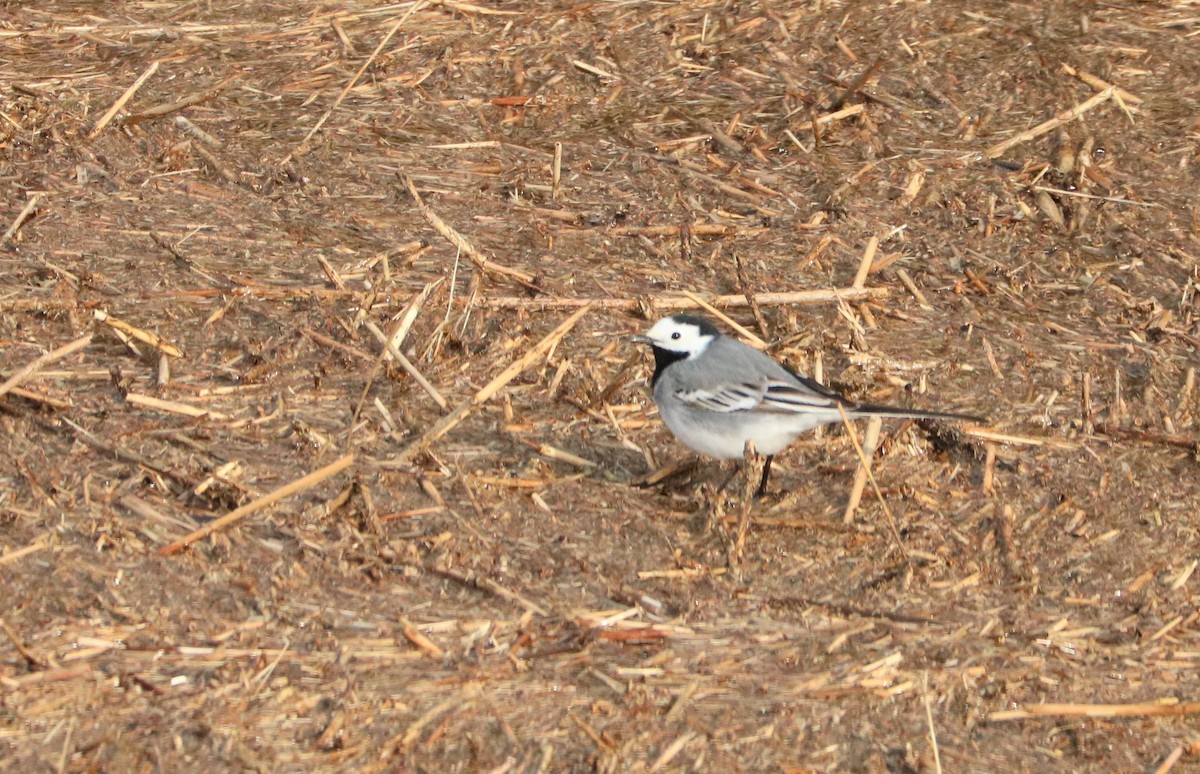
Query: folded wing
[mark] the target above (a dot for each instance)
(765, 395)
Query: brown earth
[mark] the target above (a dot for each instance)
(484, 600)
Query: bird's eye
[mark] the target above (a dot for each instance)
(676, 335)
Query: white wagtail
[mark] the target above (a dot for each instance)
(715, 393)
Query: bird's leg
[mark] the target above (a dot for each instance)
(736, 469)
(762, 485)
(753, 462)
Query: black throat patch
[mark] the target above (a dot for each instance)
(662, 359)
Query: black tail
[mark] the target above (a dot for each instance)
(871, 410)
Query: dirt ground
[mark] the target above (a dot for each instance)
(210, 204)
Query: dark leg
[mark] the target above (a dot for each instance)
(725, 483)
(762, 485)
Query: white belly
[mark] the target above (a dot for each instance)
(724, 436)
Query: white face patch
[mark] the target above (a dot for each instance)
(674, 336)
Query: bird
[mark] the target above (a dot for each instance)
(715, 393)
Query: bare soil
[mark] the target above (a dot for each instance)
(496, 592)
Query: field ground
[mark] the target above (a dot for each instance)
(209, 204)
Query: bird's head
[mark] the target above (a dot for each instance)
(683, 335)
